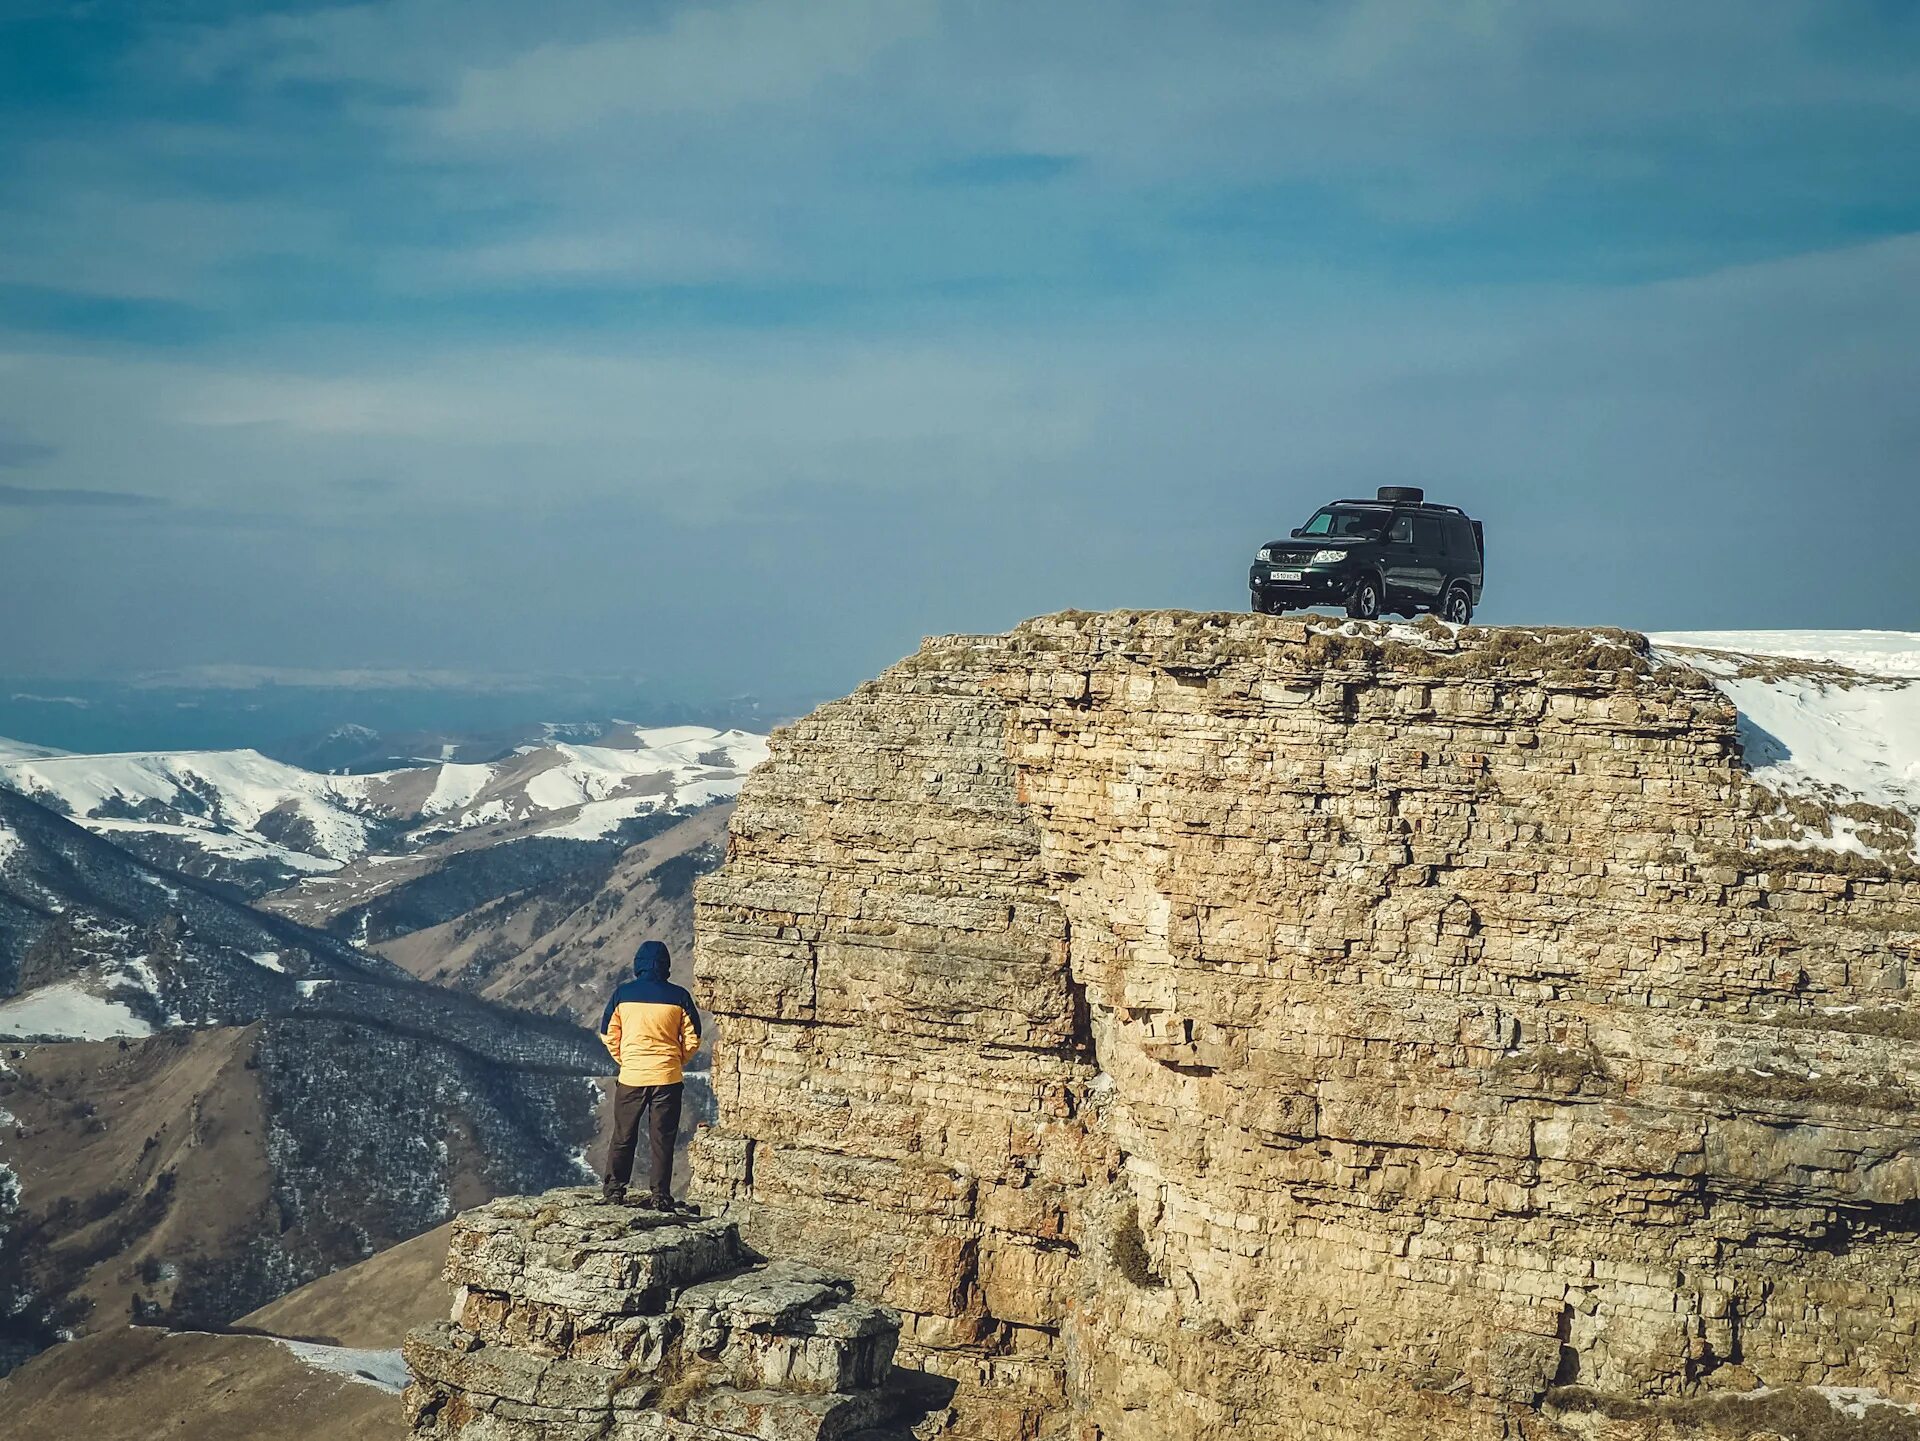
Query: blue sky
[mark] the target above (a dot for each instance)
(741, 344)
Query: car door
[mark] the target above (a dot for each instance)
(1430, 559)
(1400, 564)
(1463, 552)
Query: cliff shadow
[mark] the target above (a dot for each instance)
(1758, 745)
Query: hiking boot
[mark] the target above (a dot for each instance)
(674, 1208)
(643, 1203)
(612, 1195)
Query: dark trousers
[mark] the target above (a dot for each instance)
(660, 1105)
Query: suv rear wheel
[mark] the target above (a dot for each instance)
(1364, 603)
(1457, 608)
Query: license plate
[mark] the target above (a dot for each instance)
(1288, 575)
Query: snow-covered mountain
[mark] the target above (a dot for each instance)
(260, 824)
(96, 943)
(1830, 728)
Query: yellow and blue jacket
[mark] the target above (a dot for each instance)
(651, 1026)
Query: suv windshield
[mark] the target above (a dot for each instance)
(1346, 520)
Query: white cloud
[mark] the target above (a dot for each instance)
(322, 406)
(102, 237)
(1758, 371)
(648, 252)
(707, 59)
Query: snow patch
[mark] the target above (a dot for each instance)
(1855, 1401)
(139, 974)
(1850, 733)
(1871, 652)
(220, 843)
(1805, 737)
(702, 793)
(557, 788)
(270, 960)
(1423, 637)
(64, 1010)
(1850, 1401)
(458, 787)
(600, 819)
(10, 845)
(383, 1369)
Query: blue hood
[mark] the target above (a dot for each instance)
(650, 962)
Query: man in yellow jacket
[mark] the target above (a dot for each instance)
(652, 1029)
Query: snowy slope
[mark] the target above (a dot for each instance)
(96, 943)
(1870, 652)
(11, 750)
(240, 817)
(1829, 718)
(238, 791)
(588, 790)
(64, 1009)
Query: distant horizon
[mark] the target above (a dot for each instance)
(112, 715)
(245, 675)
(145, 714)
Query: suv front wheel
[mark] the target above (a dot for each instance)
(1364, 602)
(1457, 608)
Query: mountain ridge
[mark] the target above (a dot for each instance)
(260, 824)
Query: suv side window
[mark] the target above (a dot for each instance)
(1426, 530)
(1401, 531)
(1460, 538)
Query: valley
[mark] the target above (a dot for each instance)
(261, 1022)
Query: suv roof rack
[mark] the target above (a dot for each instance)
(1401, 505)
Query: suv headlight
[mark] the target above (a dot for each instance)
(1328, 557)
(1266, 553)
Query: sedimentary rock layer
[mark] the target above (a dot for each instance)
(1208, 1026)
(579, 1321)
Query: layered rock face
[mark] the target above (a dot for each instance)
(1225, 1026)
(578, 1321)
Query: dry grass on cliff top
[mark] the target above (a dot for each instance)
(1797, 1415)
(1428, 647)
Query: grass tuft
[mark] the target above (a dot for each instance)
(1130, 1252)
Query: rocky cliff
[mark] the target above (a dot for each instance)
(1208, 1026)
(579, 1321)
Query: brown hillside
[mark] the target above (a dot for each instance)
(560, 949)
(143, 1384)
(190, 1177)
(371, 1305)
(137, 1160)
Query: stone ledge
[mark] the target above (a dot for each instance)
(574, 1320)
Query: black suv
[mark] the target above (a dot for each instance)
(1393, 553)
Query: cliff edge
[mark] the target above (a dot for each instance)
(1205, 1026)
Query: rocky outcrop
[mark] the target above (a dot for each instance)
(1208, 1026)
(579, 1321)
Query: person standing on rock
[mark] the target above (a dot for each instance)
(651, 1029)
